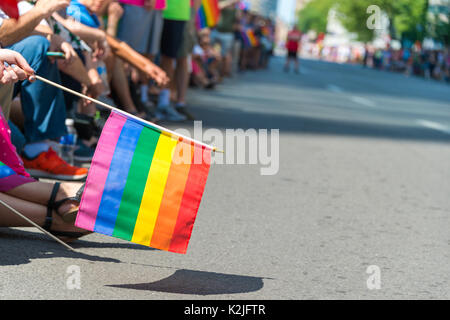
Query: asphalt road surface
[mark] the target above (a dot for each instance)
(358, 209)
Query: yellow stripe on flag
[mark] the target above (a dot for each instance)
(154, 190)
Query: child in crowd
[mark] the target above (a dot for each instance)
(205, 62)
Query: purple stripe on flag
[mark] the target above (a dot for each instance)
(117, 178)
(96, 179)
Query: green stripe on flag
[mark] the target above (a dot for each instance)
(135, 185)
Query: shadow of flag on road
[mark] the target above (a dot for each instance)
(199, 283)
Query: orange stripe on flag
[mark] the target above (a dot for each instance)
(173, 194)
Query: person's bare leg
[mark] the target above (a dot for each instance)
(174, 88)
(167, 66)
(287, 64)
(39, 193)
(182, 79)
(110, 62)
(121, 88)
(297, 65)
(33, 211)
(228, 63)
(243, 62)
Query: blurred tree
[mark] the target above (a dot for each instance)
(353, 16)
(437, 26)
(407, 18)
(314, 16)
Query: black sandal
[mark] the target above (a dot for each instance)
(71, 215)
(68, 217)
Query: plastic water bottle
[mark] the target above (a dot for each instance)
(67, 143)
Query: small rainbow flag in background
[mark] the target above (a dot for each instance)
(252, 38)
(208, 14)
(249, 38)
(137, 190)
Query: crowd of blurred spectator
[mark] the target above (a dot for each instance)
(141, 56)
(413, 60)
(430, 64)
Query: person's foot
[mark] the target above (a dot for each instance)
(49, 165)
(148, 105)
(210, 85)
(182, 109)
(62, 209)
(153, 90)
(66, 232)
(169, 113)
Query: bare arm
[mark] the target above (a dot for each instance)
(115, 12)
(12, 31)
(86, 33)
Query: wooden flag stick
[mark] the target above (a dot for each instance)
(36, 225)
(164, 130)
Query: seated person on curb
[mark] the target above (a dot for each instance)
(205, 62)
(43, 106)
(223, 34)
(50, 205)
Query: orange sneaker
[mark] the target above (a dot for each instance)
(49, 165)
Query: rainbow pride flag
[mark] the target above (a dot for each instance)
(208, 14)
(252, 38)
(144, 185)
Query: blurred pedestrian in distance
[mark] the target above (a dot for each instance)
(292, 47)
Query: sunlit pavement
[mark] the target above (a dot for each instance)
(359, 207)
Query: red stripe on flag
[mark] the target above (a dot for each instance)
(190, 203)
